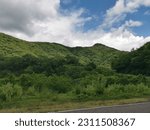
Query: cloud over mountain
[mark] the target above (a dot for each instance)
(44, 20)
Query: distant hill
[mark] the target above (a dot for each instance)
(100, 54)
(135, 62)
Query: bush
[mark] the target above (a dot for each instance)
(26, 81)
(31, 91)
(6, 92)
(71, 60)
(17, 91)
(60, 84)
(101, 85)
(74, 71)
(126, 91)
(90, 66)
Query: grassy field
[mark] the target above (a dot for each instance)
(46, 106)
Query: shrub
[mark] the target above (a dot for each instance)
(126, 91)
(6, 92)
(59, 84)
(101, 85)
(17, 91)
(90, 66)
(31, 91)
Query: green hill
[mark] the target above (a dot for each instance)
(135, 62)
(36, 76)
(99, 54)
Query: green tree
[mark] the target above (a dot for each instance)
(60, 84)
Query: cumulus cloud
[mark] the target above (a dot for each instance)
(121, 9)
(123, 34)
(43, 20)
(39, 20)
(20, 15)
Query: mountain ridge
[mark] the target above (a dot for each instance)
(98, 53)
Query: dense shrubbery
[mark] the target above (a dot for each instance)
(9, 91)
(28, 76)
(126, 91)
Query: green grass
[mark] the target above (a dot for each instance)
(46, 106)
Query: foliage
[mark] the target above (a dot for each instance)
(126, 91)
(98, 54)
(135, 62)
(42, 71)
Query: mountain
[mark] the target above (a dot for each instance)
(135, 62)
(99, 54)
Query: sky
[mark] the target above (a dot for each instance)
(121, 24)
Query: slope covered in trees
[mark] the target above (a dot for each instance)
(135, 62)
(34, 74)
(99, 54)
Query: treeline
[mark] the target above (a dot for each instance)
(31, 64)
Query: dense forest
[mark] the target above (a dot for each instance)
(136, 62)
(33, 72)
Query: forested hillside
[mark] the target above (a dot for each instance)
(135, 62)
(99, 54)
(33, 75)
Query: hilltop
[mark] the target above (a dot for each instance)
(100, 54)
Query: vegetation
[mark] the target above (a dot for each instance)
(32, 74)
(98, 54)
(136, 62)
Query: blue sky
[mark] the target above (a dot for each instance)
(95, 8)
(141, 15)
(98, 8)
(121, 24)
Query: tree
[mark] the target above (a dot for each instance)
(71, 60)
(60, 84)
(90, 66)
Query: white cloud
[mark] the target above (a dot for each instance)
(42, 21)
(121, 8)
(132, 23)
